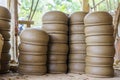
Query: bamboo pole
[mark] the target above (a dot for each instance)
(86, 5)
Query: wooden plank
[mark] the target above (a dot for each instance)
(86, 5)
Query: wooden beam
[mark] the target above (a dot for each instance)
(86, 5)
(28, 23)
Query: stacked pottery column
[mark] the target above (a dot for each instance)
(55, 24)
(77, 43)
(33, 50)
(5, 31)
(100, 44)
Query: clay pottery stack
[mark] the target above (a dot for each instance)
(55, 24)
(5, 17)
(77, 43)
(100, 44)
(33, 52)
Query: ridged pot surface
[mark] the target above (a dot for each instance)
(58, 38)
(100, 51)
(77, 17)
(5, 57)
(98, 18)
(4, 25)
(4, 68)
(57, 68)
(32, 53)
(32, 70)
(6, 47)
(55, 28)
(6, 34)
(100, 71)
(99, 30)
(32, 48)
(78, 68)
(99, 60)
(55, 17)
(34, 36)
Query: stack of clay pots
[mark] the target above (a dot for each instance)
(32, 52)
(5, 31)
(55, 24)
(100, 44)
(77, 43)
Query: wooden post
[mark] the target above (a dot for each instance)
(86, 5)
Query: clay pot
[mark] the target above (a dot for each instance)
(5, 57)
(100, 40)
(32, 70)
(76, 29)
(5, 34)
(1, 44)
(55, 28)
(32, 59)
(100, 51)
(98, 18)
(55, 58)
(58, 48)
(32, 48)
(6, 47)
(34, 36)
(4, 68)
(55, 17)
(77, 57)
(4, 25)
(77, 38)
(58, 38)
(99, 60)
(99, 71)
(77, 17)
(78, 68)
(99, 30)
(32, 53)
(57, 68)
(4, 14)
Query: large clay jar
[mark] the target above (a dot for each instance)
(6, 46)
(6, 34)
(55, 17)
(4, 25)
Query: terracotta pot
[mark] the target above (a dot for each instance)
(32, 48)
(55, 17)
(99, 30)
(58, 38)
(55, 28)
(34, 36)
(4, 14)
(77, 48)
(77, 38)
(99, 71)
(100, 51)
(57, 58)
(100, 40)
(32, 59)
(76, 29)
(98, 18)
(4, 25)
(6, 34)
(4, 68)
(78, 68)
(32, 70)
(77, 17)
(99, 60)
(57, 68)
(58, 48)
(5, 57)
(77, 57)
(32, 53)
(6, 47)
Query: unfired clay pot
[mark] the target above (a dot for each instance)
(32, 70)
(4, 14)
(99, 60)
(5, 57)
(32, 59)
(77, 17)
(55, 17)
(34, 36)
(6, 47)
(77, 67)
(57, 58)
(100, 51)
(58, 38)
(32, 48)
(99, 30)
(5, 34)
(76, 29)
(4, 25)
(55, 28)
(98, 18)
(57, 68)
(99, 71)
(4, 67)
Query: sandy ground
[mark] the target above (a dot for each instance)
(69, 76)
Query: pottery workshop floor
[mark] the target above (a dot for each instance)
(70, 76)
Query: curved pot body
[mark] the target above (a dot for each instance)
(5, 34)
(4, 67)
(5, 57)
(6, 47)
(4, 25)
